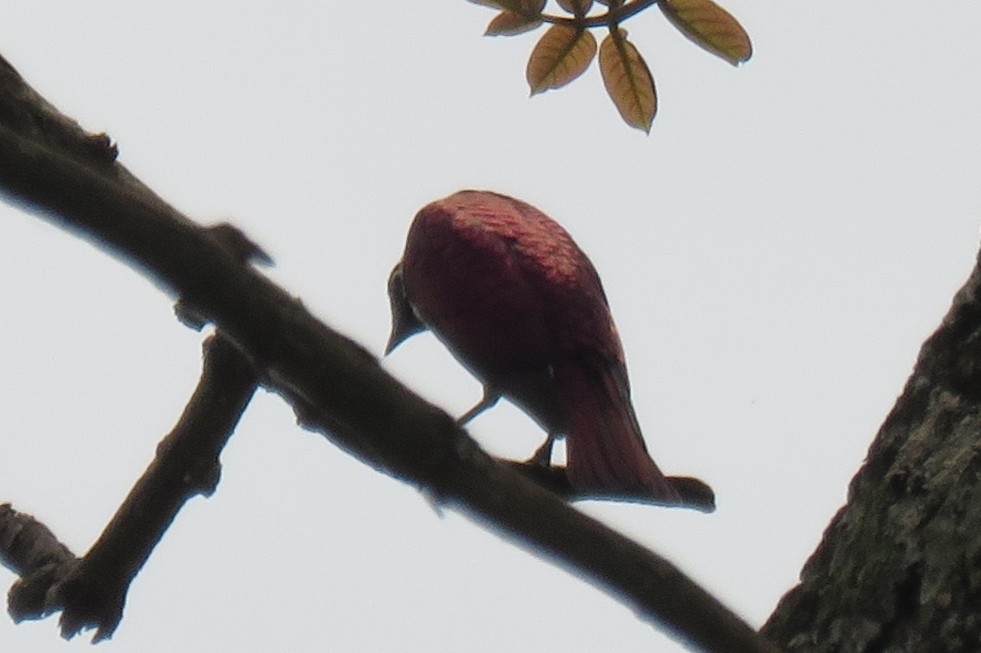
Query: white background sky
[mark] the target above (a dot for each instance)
(774, 253)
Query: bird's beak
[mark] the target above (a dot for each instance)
(404, 325)
(394, 340)
(405, 322)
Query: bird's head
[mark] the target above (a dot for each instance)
(405, 322)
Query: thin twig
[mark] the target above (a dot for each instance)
(611, 17)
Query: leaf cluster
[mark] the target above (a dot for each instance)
(568, 46)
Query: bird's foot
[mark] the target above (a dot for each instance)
(490, 398)
(543, 455)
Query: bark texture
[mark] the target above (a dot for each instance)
(899, 567)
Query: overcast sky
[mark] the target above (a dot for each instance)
(774, 253)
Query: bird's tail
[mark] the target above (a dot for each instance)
(605, 450)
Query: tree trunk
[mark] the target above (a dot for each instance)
(899, 567)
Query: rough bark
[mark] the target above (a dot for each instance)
(899, 567)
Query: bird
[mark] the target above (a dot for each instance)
(519, 304)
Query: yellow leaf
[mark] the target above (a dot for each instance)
(628, 80)
(577, 7)
(508, 23)
(711, 27)
(562, 54)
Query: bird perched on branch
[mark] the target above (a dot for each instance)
(516, 301)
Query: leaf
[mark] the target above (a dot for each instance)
(711, 27)
(508, 23)
(577, 7)
(527, 7)
(628, 80)
(562, 54)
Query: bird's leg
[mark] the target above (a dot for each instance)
(543, 455)
(490, 398)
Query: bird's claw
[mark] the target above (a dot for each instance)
(490, 398)
(543, 455)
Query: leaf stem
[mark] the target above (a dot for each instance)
(613, 16)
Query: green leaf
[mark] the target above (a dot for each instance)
(628, 80)
(562, 54)
(508, 23)
(711, 27)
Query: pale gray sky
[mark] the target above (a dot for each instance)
(774, 252)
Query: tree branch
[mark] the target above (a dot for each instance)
(91, 591)
(339, 388)
(31, 550)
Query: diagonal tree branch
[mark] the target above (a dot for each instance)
(91, 591)
(339, 389)
(33, 552)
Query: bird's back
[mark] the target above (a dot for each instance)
(478, 260)
(518, 303)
